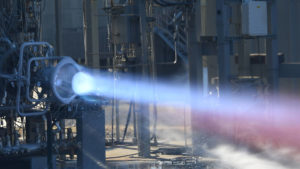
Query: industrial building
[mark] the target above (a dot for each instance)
(149, 84)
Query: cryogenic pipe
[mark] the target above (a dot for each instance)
(20, 75)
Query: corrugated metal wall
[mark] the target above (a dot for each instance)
(72, 27)
(289, 40)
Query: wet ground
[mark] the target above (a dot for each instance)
(166, 156)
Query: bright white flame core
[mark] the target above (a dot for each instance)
(144, 92)
(82, 83)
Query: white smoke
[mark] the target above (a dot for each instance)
(239, 158)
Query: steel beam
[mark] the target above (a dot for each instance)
(91, 33)
(117, 120)
(223, 48)
(272, 48)
(50, 163)
(142, 109)
(58, 26)
(195, 75)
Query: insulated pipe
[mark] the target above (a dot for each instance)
(29, 75)
(20, 68)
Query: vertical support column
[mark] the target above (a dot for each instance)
(243, 59)
(117, 120)
(272, 48)
(195, 75)
(154, 76)
(223, 47)
(91, 135)
(49, 142)
(91, 124)
(134, 140)
(91, 33)
(58, 26)
(142, 109)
